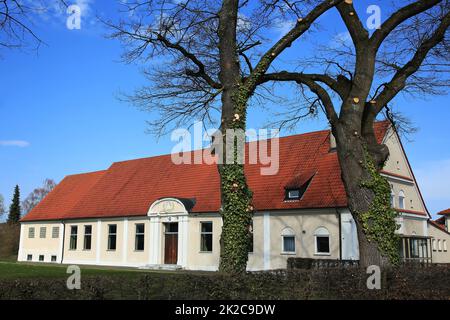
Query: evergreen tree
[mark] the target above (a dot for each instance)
(14, 209)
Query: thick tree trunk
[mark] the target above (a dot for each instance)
(351, 149)
(236, 199)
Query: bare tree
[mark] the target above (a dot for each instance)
(2, 205)
(355, 82)
(16, 22)
(215, 56)
(37, 195)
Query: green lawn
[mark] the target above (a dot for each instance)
(14, 270)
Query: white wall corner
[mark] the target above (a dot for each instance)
(125, 241)
(61, 242)
(20, 253)
(349, 236)
(99, 241)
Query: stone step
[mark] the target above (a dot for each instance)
(161, 267)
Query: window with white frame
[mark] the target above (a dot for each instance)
(140, 236)
(55, 232)
(434, 245)
(73, 237)
(288, 240)
(401, 200)
(29, 257)
(322, 241)
(42, 232)
(31, 232)
(206, 236)
(444, 244)
(439, 245)
(41, 257)
(87, 237)
(112, 236)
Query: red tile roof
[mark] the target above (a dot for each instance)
(129, 188)
(445, 212)
(440, 223)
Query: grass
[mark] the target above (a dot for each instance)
(9, 269)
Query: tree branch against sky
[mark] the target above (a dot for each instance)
(215, 55)
(2, 206)
(37, 195)
(17, 29)
(408, 53)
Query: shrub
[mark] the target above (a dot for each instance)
(9, 240)
(321, 283)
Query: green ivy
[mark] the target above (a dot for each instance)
(379, 222)
(237, 210)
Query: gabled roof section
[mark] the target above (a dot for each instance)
(129, 188)
(300, 180)
(444, 212)
(64, 197)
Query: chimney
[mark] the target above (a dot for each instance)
(332, 142)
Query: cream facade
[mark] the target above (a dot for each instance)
(87, 241)
(171, 237)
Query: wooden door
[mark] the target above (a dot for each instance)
(171, 246)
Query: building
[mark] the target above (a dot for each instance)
(153, 213)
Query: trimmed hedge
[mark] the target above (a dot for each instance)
(309, 263)
(327, 283)
(9, 239)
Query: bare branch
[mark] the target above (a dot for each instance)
(398, 81)
(398, 17)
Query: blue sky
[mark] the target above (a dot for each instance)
(59, 112)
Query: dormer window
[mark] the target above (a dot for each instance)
(296, 188)
(293, 194)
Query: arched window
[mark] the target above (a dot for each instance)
(322, 241)
(401, 200)
(439, 245)
(434, 244)
(392, 196)
(444, 242)
(288, 240)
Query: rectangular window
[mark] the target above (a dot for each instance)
(112, 236)
(53, 258)
(87, 237)
(31, 232)
(289, 244)
(55, 232)
(140, 232)
(206, 236)
(42, 232)
(293, 194)
(73, 237)
(41, 257)
(29, 257)
(323, 244)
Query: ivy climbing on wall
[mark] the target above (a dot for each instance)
(379, 222)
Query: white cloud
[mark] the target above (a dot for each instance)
(14, 143)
